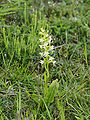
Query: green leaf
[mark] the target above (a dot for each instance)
(34, 96)
(51, 92)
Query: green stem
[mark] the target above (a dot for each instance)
(47, 68)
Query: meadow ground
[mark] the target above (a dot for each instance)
(44, 59)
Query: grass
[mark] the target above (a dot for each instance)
(30, 90)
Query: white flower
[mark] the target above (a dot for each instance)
(49, 41)
(42, 30)
(41, 54)
(86, 24)
(41, 61)
(47, 35)
(40, 33)
(51, 58)
(54, 62)
(46, 53)
(50, 37)
(41, 46)
(5, 55)
(49, 2)
(54, 4)
(41, 40)
(52, 47)
(45, 44)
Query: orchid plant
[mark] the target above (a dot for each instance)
(46, 52)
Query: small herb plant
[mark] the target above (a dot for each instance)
(46, 52)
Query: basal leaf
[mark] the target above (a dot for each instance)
(51, 93)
